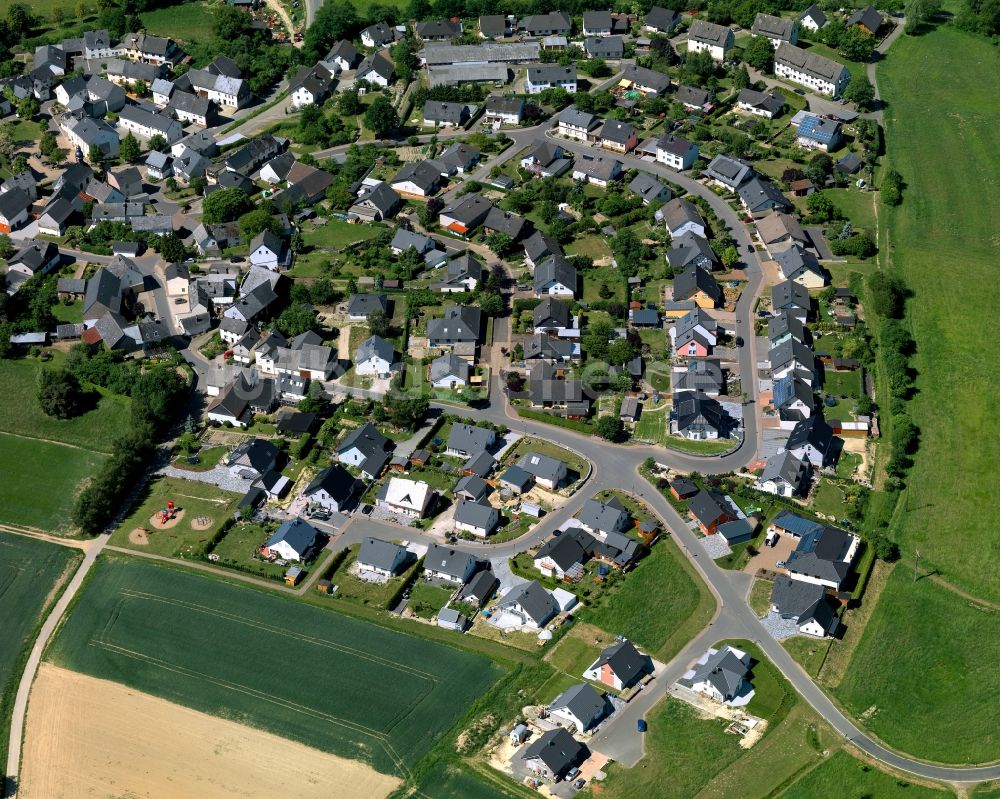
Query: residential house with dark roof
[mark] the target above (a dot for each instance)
(530, 603)
(791, 298)
(775, 29)
(716, 40)
(579, 707)
(812, 440)
(479, 519)
(727, 172)
(760, 197)
(721, 674)
(461, 324)
(382, 557)
(762, 104)
(823, 556)
(660, 20)
(700, 417)
(697, 284)
(806, 68)
(784, 475)
(556, 277)
(449, 564)
(619, 666)
(675, 152)
(618, 136)
(807, 604)
(553, 754)
(333, 488)
(365, 448)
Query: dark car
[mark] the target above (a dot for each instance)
(641, 725)
(739, 341)
(749, 248)
(237, 259)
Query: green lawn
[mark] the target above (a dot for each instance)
(70, 314)
(526, 444)
(709, 447)
(285, 666)
(593, 246)
(187, 22)
(238, 548)
(924, 672)
(29, 570)
(337, 233)
(856, 205)
(93, 430)
(809, 653)
(950, 205)
(40, 479)
(760, 597)
(843, 775)
(661, 604)
(829, 499)
(196, 500)
(427, 599)
(652, 425)
(842, 384)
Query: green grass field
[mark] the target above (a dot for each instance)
(327, 680)
(39, 481)
(950, 204)
(188, 22)
(197, 500)
(94, 430)
(926, 663)
(660, 605)
(843, 775)
(29, 570)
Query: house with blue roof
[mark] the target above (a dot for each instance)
(819, 133)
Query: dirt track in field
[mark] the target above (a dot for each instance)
(93, 739)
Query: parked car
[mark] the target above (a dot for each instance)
(780, 564)
(739, 341)
(641, 725)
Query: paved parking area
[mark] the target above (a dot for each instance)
(778, 627)
(769, 556)
(219, 476)
(716, 546)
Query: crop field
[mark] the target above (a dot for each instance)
(29, 570)
(39, 481)
(187, 22)
(949, 205)
(314, 676)
(923, 675)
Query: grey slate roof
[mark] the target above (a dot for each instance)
(367, 439)
(297, 533)
(480, 588)
(558, 269)
(366, 304)
(375, 346)
(820, 553)
(460, 324)
(603, 516)
(558, 750)
(808, 62)
(475, 514)
(814, 431)
(625, 661)
(336, 481)
(724, 671)
(697, 411)
(550, 312)
(536, 602)
(540, 466)
(447, 560)
(773, 27)
(469, 438)
(582, 701)
(449, 365)
(378, 553)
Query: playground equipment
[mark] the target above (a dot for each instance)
(168, 512)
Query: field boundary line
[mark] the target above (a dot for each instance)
(131, 593)
(53, 441)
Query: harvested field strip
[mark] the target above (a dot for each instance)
(87, 737)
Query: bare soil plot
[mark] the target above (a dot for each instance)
(88, 737)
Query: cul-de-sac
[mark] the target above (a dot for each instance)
(433, 399)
